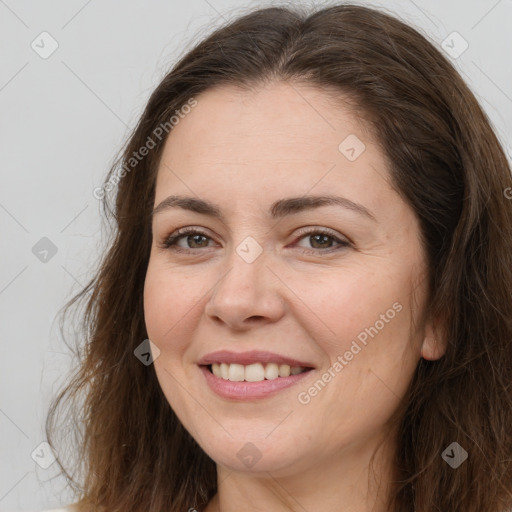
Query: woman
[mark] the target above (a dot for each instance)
(306, 305)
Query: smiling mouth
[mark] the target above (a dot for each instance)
(256, 372)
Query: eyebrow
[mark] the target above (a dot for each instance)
(278, 209)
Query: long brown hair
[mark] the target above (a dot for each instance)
(446, 162)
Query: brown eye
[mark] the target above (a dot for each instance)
(322, 241)
(194, 239)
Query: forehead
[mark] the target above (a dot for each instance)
(279, 137)
(273, 117)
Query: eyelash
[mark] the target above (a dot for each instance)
(170, 241)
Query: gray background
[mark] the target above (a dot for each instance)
(63, 119)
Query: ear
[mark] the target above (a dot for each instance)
(434, 342)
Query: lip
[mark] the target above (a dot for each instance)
(250, 357)
(244, 391)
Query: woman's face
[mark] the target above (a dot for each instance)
(277, 279)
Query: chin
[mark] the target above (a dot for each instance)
(252, 454)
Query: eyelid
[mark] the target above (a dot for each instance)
(187, 230)
(327, 231)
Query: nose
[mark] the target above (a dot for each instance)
(246, 294)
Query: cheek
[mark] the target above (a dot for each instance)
(174, 302)
(362, 317)
(166, 303)
(167, 315)
(343, 304)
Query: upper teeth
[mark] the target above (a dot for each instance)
(254, 372)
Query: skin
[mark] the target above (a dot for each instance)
(243, 150)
